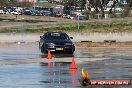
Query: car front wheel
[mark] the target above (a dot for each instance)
(43, 50)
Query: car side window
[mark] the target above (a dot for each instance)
(64, 36)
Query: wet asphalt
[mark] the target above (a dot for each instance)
(23, 66)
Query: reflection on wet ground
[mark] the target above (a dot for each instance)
(22, 66)
(57, 55)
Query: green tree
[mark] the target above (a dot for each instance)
(8, 3)
(13, 3)
(127, 8)
(99, 6)
(3, 3)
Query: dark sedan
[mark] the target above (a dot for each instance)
(56, 42)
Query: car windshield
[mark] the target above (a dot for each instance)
(58, 36)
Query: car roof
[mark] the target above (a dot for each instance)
(56, 32)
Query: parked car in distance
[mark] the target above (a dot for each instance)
(36, 13)
(46, 13)
(58, 42)
(2, 11)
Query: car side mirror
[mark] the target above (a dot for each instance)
(71, 37)
(41, 37)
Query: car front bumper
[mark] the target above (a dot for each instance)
(61, 49)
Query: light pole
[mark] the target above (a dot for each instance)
(34, 4)
(78, 21)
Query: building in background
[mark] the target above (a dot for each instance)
(33, 0)
(58, 10)
(58, 0)
(38, 0)
(124, 1)
(27, 0)
(42, 0)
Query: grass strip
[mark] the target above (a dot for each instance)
(85, 26)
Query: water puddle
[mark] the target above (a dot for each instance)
(25, 67)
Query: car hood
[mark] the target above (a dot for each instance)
(58, 41)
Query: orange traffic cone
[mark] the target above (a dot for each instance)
(49, 55)
(73, 64)
(86, 74)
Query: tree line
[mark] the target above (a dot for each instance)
(13, 3)
(99, 6)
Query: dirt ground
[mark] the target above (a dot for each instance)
(103, 44)
(77, 44)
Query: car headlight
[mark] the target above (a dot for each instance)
(68, 44)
